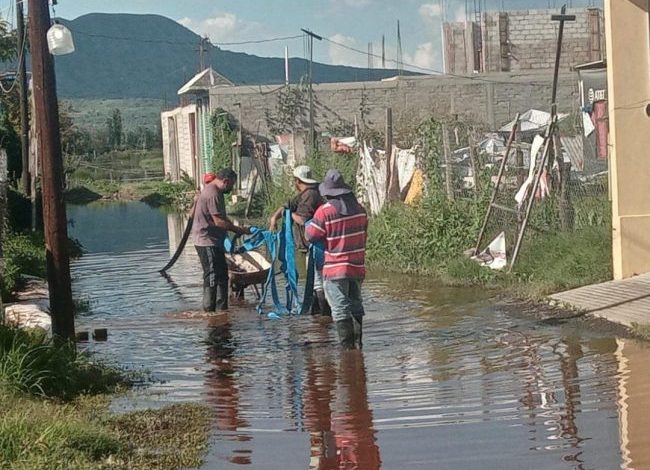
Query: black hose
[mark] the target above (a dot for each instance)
(181, 246)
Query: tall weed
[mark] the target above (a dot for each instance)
(32, 363)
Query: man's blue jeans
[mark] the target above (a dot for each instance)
(344, 297)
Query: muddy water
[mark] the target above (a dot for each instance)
(446, 380)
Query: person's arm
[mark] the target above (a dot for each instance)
(299, 219)
(315, 229)
(224, 223)
(273, 220)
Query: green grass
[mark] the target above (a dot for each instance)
(31, 363)
(430, 240)
(42, 434)
(55, 414)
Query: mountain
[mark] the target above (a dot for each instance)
(150, 56)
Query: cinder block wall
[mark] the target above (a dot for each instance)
(489, 99)
(532, 39)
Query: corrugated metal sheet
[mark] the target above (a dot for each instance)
(574, 149)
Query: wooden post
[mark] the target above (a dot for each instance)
(473, 163)
(495, 191)
(46, 120)
(533, 191)
(565, 208)
(251, 190)
(26, 181)
(449, 184)
(388, 146)
(3, 214)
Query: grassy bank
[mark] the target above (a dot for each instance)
(153, 192)
(430, 240)
(55, 414)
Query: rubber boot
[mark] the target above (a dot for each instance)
(323, 305)
(315, 304)
(221, 296)
(358, 331)
(209, 299)
(345, 329)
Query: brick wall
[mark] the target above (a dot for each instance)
(490, 99)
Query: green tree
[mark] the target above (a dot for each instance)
(115, 129)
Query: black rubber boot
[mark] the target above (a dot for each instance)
(323, 305)
(209, 299)
(345, 329)
(358, 331)
(221, 297)
(315, 305)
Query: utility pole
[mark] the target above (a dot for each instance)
(46, 122)
(202, 50)
(399, 50)
(562, 18)
(312, 135)
(25, 178)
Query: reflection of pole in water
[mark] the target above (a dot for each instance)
(569, 369)
(319, 384)
(222, 384)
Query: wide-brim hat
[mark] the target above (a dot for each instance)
(333, 184)
(303, 173)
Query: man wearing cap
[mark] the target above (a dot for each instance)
(211, 224)
(303, 206)
(342, 225)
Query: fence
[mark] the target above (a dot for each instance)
(573, 193)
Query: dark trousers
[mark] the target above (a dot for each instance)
(215, 278)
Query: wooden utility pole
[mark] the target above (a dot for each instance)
(46, 122)
(449, 184)
(388, 146)
(25, 179)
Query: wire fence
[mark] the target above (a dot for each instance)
(573, 193)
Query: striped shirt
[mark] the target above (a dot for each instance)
(344, 238)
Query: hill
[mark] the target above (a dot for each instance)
(150, 56)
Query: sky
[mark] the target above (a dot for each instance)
(353, 23)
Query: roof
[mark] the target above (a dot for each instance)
(204, 81)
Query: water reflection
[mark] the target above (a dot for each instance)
(446, 380)
(634, 403)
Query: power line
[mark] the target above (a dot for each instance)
(177, 43)
(430, 70)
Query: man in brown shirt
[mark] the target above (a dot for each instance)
(209, 230)
(303, 206)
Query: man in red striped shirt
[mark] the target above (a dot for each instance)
(342, 225)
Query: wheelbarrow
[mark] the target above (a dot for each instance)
(249, 269)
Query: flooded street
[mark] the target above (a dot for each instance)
(445, 380)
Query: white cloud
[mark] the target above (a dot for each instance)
(425, 56)
(224, 27)
(341, 56)
(350, 3)
(429, 10)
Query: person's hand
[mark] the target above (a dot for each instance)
(272, 224)
(247, 230)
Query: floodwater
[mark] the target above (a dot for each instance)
(445, 380)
